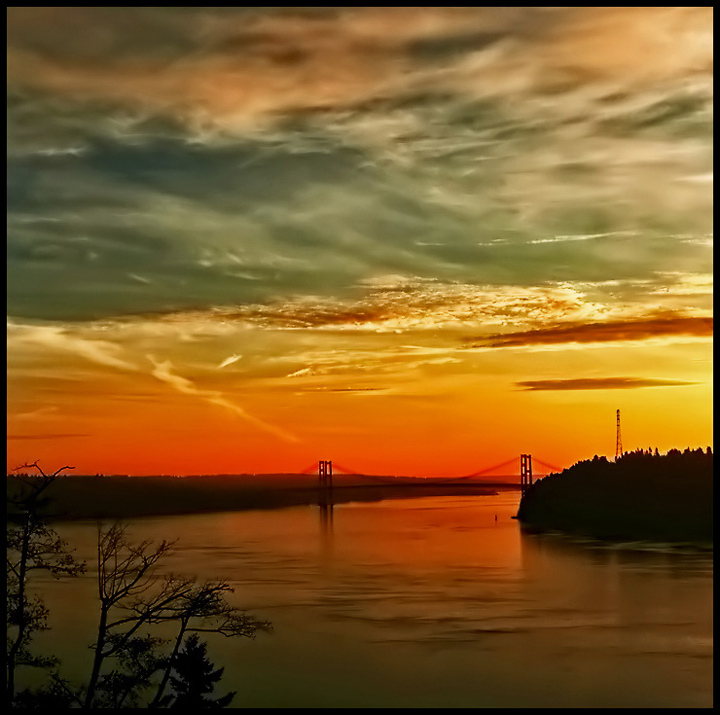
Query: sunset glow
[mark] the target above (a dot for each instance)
(414, 241)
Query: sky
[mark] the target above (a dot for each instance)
(415, 241)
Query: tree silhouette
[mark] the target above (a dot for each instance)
(204, 609)
(136, 662)
(125, 573)
(196, 677)
(133, 598)
(31, 545)
(129, 660)
(641, 495)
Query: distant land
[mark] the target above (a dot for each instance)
(123, 497)
(642, 495)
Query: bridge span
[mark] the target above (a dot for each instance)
(324, 470)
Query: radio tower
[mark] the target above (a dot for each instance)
(618, 439)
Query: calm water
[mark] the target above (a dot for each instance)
(430, 603)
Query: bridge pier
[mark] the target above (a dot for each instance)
(525, 472)
(325, 483)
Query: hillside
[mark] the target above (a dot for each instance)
(640, 496)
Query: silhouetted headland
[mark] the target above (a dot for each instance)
(642, 495)
(122, 497)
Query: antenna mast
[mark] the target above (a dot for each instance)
(618, 439)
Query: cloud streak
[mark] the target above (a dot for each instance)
(610, 331)
(163, 371)
(395, 303)
(60, 339)
(52, 436)
(599, 383)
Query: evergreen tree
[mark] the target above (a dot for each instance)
(196, 677)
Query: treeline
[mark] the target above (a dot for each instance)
(689, 463)
(111, 497)
(641, 495)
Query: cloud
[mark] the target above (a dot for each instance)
(303, 372)
(59, 338)
(352, 389)
(139, 279)
(164, 371)
(45, 436)
(580, 237)
(229, 361)
(38, 413)
(191, 157)
(599, 383)
(229, 68)
(151, 225)
(397, 304)
(361, 391)
(610, 331)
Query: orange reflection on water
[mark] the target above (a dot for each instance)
(427, 532)
(426, 602)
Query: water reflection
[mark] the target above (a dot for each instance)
(641, 600)
(326, 520)
(326, 516)
(432, 602)
(675, 560)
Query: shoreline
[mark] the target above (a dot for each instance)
(75, 498)
(641, 496)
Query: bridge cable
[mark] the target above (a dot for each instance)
(489, 469)
(547, 464)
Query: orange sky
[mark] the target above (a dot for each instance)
(408, 240)
(386, 410)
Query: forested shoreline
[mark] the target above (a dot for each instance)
(641, 495)
(121, 497)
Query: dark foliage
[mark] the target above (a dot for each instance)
(31, 546)
(195, 678)
(54, 696)
(642, 495)
(131, 667)
(137, 660)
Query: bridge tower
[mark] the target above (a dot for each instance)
(325, 482)
(618, 439)
(525, 471)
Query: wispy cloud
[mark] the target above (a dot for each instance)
(229, 361)
(164, 371)
(396, 304)
(204, 156)
(38, 413)
(581, 237)
(610, 331)
(52, 436)
(60, 339)
(207, 66)
(599, 383)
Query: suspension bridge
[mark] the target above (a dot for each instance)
(522, 479)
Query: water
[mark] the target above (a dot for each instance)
(430, 602)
